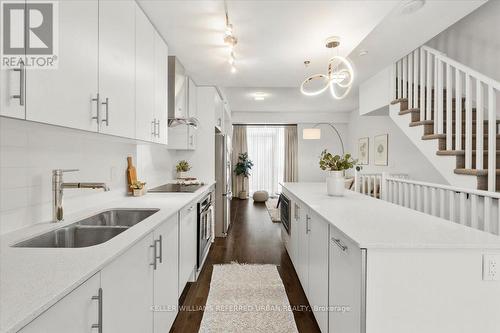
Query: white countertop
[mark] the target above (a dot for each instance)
(33, 279)
(374, 223)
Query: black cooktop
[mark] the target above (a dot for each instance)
(175, 188)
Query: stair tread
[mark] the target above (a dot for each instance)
(431, 122)
(474, 172)
(459, 152)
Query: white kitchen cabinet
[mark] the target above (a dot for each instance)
(75, 313)
(161, 88)
(318, 269)
(12, 88)
(302, 267)
(187, 245)
(145, 76)
(219, 112)
(346, 280)
(293, 246)
(64, 95)
(127, 285)
(117, 67)
(166, 275)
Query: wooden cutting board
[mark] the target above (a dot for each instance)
(131, 173)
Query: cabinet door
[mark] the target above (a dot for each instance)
(12, 83)
(166, 278)
(75, 313)
(161, 88)
(294, 232)
(188, 240)
(127, 285)
(64, 96)
(346, 281)
(219, 112)
(192, 98)
(303, 253)
(117, 66)
(318, 270)
(144, 77)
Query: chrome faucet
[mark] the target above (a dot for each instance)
(58, 187)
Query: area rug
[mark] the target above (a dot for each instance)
(273, 211)
(247, 298)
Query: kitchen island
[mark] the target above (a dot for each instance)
(367, 265)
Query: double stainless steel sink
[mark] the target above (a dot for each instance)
(93, 230)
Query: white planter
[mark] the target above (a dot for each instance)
(181, 174)
(335, 183)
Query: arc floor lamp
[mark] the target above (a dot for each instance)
(314, 133)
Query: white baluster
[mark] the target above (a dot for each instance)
(428, 88)
(426, 200)
(394, 81)
(412, 196)
(415, 79)
(473, 211)
(421, 103)
(363, 184)
(433, 202)
(419, 198)
(440, 119)
(458, 108)
(442, 212)
(383, 186)
(479, 126)
(449, 113)
(410, 81)
(468, 123)
(405, 77)
(498, 217)
(463, 208)
(492, 139)
(451, 204)
(436, 95)
(401, 194)
(400, 78)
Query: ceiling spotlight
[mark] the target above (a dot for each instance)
(259, 96)
(307, 63)
(231, 58)
(233, 69)
(229, 30)
(411, 6)
(363, 53)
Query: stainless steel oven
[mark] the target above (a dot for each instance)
(205, 225)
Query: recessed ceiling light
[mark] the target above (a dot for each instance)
(411, 6)
(259, 96)
(363, 53)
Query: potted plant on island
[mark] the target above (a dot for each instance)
(336, 166)
(242, 169)
(182, 168)
(138, 188)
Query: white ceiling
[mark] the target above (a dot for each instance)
(275, 37)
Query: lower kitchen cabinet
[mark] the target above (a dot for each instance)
(347, 283)
(76, 313)
(127, 285)
(187, 248)
(166, 275)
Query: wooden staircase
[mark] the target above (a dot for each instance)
(428, 134)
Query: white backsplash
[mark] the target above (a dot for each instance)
(29, 152)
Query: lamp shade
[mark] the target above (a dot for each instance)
(311, 133)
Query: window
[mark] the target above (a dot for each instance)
(266, 148)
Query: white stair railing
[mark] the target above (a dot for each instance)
(372, 184)
(473, 208)
(432, 83)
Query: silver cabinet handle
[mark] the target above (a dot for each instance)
(339, 243)
(98, 109)
(160, 241)
(153, 130)
(158, 132)
(106, 121)
(154, 254)
(22, 79)
(98, 298)
(308, 218)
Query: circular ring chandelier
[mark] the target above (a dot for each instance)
(339, 78)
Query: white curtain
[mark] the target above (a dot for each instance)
(239, 146)
(291, 173)
(266, 149)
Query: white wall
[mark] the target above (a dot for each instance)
(261, 117)
(474, 40)
(375, 93)
(310, 150)
(404, 157)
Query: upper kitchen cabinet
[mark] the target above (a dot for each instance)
(161, 89)
(117, 67)
(219, 112)
(12, 81)
(67, 95)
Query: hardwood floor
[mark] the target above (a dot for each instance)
(252, 238)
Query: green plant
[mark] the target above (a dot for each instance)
(331, 162)
(183, 166)
(243, 166)
(137, 185)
